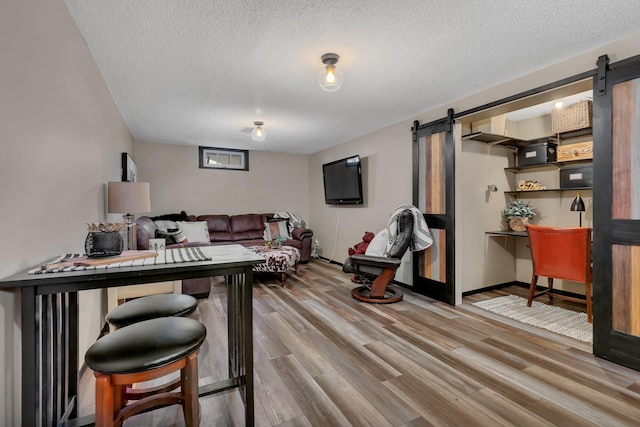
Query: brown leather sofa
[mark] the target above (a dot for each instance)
(243, 229)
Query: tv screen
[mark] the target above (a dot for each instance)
(343, 181)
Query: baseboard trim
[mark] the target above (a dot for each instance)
(494, 287)
(330, 261)
(523, 285)
(555, 291)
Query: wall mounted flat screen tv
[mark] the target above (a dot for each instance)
(343, 181)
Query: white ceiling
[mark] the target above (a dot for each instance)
(197, 72)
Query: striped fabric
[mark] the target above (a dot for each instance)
(295, 220)
(169, 256)
(421, 238)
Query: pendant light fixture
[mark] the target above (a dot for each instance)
(258, 134)
(330, 77)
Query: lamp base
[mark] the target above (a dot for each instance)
(130, 231)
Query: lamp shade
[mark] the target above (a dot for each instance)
(578, 204)
(129, 197)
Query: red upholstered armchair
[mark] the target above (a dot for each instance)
(560, 253)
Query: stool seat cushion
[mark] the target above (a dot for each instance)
(145, 345)
(150, 307)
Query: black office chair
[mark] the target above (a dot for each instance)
(375, 272)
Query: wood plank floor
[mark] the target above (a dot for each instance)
(324, 359)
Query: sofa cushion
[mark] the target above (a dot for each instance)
(219, 227)
(196, 231)
(245, 222)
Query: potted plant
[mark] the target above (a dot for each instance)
(518, 213)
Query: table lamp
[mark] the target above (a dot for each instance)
(129, 198)
(578, 206)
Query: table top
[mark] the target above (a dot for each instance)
(223, 258)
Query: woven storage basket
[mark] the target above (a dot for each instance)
(572, 117)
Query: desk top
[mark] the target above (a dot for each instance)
(507, 233)
(225, 259)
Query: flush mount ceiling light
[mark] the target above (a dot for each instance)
(258, 134)
(330, 77)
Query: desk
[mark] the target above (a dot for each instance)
(49, 305)
(508, 233)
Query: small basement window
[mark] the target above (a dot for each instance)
(223, 158)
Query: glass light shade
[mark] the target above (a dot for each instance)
(330, 78)
(258, 134)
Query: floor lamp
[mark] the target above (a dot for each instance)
(129, 198)
(578, 206)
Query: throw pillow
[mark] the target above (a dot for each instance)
(165, 225)
(275, 228)
(295, 220)
(172, 236)
(378, 246)
(196, 231)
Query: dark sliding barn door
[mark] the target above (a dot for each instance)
(616, 228)
(433, 194)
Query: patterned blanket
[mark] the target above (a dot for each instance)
(72, 262)
(421, 238)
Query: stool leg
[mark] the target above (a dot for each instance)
(104, 401)
(190, 391)
(118, 398)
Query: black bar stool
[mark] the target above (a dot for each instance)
(152, 307)
(144, 351)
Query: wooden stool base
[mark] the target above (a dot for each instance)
(113, 392)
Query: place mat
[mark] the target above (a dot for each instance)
(80, 262)
(556, 319)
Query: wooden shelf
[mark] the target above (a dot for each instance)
(494, 139)
(547, 165)
(574, 133)
(549, 190)
(507, 233)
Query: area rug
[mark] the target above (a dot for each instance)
(555, 319)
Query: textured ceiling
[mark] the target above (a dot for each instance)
(197, 72)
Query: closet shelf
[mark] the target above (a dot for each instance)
(493, 139)
(547, 165)
(548, 190)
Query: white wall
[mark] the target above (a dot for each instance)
(61, 136)
(482, 261)
(275, 182)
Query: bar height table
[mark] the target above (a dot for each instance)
(49, 304)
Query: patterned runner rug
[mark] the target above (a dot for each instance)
(555, 319)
